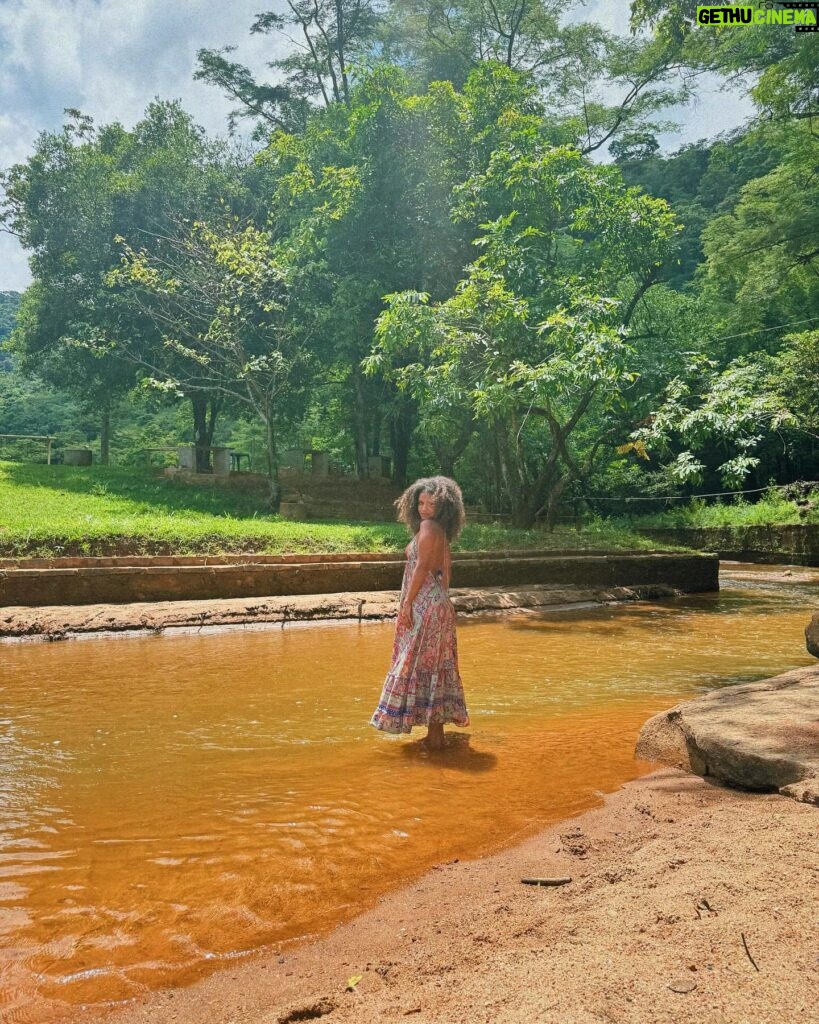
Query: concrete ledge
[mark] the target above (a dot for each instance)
(251, 558)
(759, 736)
(788, 545)
(62, 622)
(118, 584)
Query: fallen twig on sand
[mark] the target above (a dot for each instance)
(545, 881)
(745, 944)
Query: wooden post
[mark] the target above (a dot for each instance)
(48, 453)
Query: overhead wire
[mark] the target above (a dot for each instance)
(689, 497)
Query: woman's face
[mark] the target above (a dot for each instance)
(427, 505)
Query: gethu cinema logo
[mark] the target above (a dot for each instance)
(802, 17)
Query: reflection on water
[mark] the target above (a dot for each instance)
(168, 803)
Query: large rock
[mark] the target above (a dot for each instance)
(812, 636)
(760, 736)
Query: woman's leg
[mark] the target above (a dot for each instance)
(435, 736)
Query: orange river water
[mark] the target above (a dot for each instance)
(170, 803)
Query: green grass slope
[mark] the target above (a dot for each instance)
(61, 510)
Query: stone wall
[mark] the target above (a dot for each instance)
(794, 545)
(87, 582)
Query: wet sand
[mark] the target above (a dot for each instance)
(688, 902)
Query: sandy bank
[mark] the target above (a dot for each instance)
(689, 903)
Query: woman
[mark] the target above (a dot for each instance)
(423, 686)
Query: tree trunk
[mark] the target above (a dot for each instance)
(272, 461)
(205, 411)
(402, 427)
(492, 493)
(360, 425)
(510, 480)
(375, 433)
(105, 431)
(553, 503)
(201, 441)
(448, 454)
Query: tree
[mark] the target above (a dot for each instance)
(781, 64)
(81, 189)
(9, 305)
(534, 338)
(699, 180)
(577, 67)
(326, 36)
(798, 373)
(362, 205)
(723, 412)
(762, 258)
(218, 296)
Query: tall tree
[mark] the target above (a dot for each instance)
(534, 338)
(218, 297)
(324, 39)
(595, 86)
(83, 189)
(363, 203)
(781, 66)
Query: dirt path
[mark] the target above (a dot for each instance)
(688, 903)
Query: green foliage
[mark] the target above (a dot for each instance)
(424, 207)
(9, 305)
(699, 181)
(218, 295)
(28, 406)
(735, 406)
(526, 341)
(774, 507)
(576, 67)
(761, 259)
(798, 374)
(83, 190)
(783, 65)
(333, 35)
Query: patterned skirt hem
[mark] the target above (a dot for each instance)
(398, 711)
(405, 723)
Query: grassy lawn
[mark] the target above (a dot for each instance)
(54, 510)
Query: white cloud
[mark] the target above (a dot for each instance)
(110, 58)
(14, 272)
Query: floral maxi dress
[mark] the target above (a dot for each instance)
(423, 685)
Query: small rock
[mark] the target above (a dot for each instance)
(683, 986)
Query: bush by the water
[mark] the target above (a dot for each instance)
(776, 506)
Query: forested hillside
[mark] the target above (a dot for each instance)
(455, 242)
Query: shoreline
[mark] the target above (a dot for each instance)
(688, 901)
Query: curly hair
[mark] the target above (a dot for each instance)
(449, 505)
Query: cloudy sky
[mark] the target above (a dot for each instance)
(110, 58)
